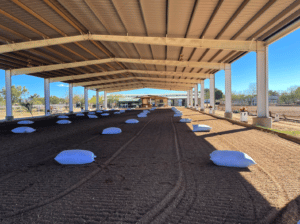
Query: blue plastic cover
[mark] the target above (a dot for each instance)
(122, 111)
(142, 115)
(131, 121)
(62, 117)
(177, 115)
(75, 156)
(23, 130)
(185, 120)
(92, 116)
(25, 122)
(231, 159)
(80, 115)
(117, 112)
(99, 111)
(105, 114)
(111, 131)
(63, 122)
(201, 127)
(92, 113)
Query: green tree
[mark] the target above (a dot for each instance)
(218, 94)
(273, 93)
(54, 100)
(206, 94)
(17, 93)
(36, 99)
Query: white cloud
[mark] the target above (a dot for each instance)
(63, 85)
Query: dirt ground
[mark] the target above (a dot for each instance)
(288, 111)
(157, 170)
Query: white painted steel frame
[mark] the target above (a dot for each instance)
(9, 112)
(236, 45)
(47, 96)
(196, 96)
(262, 82)
(188, 64)
(97, 99)
(105, 99)
(100, 74)
(228, 89)
(212, 90)
(86, 99)
(71, 98)
(202, 95)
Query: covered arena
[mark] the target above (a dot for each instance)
(157, 170)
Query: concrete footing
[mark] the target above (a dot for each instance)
(263, 121)
(228, 115)
(9, 118)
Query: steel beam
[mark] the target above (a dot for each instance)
(9, 112)
(164, 41)
(202, 95)
(92, 84)
(188, 64)
(159, 73)
(86, 100)
(71, 98)
(47, 96)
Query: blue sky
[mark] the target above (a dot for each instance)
(284, 71)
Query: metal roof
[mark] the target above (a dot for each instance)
(217, 25)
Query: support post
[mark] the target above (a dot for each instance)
(86, 99)
(191, 98)
(202, 95)
(9, 112)
(47, 96)
(70, 98)
(212, 91)
(196, 96)
(262, 83)
(228, 110)
(97, 99)
(105, 99)
(187, 99)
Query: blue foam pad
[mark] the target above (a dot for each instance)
(105, 114)
(92, 116)
(231, 158)
(118, 112)
(75, 156)
(80, 115)
(111, 131)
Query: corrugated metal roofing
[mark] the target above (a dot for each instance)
(22, 20)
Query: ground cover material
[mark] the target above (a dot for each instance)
(25, 122)
(147, 170)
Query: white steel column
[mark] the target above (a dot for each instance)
(105, 100)
(9, 113)
(86, 100)
(187, 98)
(262, 83)
(97, 99)
(202, 95)
(196, 96)
(191, 98)
(71, 98)
(228, 110)
(47, 96)
(212, 91)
